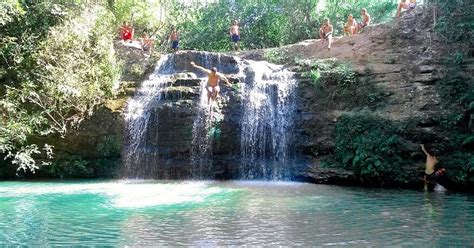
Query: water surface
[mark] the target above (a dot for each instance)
(196, 213)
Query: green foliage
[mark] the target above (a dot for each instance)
(454, 20)
(58, 64)
(457, 88)
(137, 71)
(334, 81)
(69, 167)
(276, 55)
(378, 150)
(146, 16)
(460, 166)
(371, 147)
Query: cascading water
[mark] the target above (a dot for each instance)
(171, 128)
(201, 150)
(139, 114)
(266, 125)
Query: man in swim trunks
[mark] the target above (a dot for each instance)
(431, 174)
(325, 32)
(212, 86)
(351, 26)
(174, 38)
(365, 20)
(147, 43)
(235, 35)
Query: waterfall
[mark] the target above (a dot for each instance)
(139, 114)
(201, 148)
(173, 133)
(267, 122)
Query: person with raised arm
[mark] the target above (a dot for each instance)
(431, 173)
(212, 86)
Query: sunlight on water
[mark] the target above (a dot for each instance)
(123, 194)
(138, 195)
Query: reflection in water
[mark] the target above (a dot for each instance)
(144, 213)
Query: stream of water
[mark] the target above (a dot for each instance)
(267, 121)
(267, 107)
(206, 213)
(139, 115)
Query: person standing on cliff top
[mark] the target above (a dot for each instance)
(147, 43)
(431, 174)
(235, 35)
(174, 38)
(325, 32)
(212, 86)
(365, 20)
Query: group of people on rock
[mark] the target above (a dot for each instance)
(352, 27)
(127, 32)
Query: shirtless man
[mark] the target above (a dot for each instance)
(212, 86)
(235, 35)
(325, 32)
(174, 38)
(351, 26)
(431, 174)
(405, 5)
(147, 43)
(365, 20)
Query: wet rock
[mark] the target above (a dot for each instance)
(187, 82)
(426, 78)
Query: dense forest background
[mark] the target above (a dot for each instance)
(57, 61)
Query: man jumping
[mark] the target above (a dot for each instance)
(212, 86)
